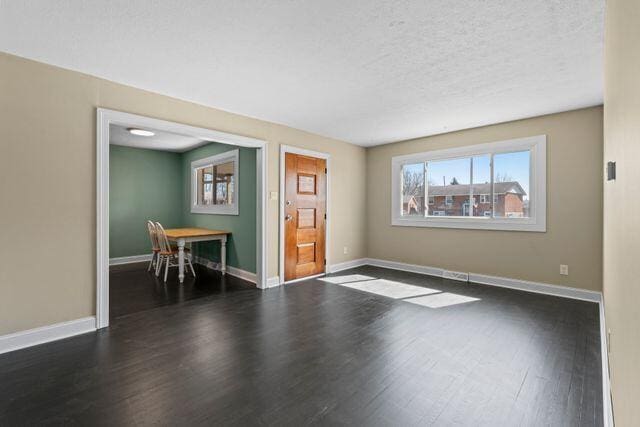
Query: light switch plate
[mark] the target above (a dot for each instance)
(611, 171)
(273, 195)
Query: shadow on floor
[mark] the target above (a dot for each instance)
(132, 289)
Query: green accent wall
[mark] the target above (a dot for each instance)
(143, 185)
(152, 184)
(241, 246)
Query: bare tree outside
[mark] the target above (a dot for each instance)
(413, 183)
(503, 177)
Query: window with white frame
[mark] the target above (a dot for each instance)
(499, 185)
(214, 184)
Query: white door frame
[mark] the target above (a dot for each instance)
(317, 154)
(107, 117)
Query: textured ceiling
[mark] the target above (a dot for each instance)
(364, 71)
(164, 141)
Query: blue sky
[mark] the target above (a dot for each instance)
(515, 165)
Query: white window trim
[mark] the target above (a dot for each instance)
(227, 156)
(537, 187)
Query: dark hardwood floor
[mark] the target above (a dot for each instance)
(133, 289)
(321, 353)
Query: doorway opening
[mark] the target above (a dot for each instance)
(199, 193)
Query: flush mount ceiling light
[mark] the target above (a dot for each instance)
(141, 132)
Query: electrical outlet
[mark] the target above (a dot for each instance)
(564, 269)
(345, 250)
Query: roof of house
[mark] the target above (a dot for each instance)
(463, 189)
(406, 198)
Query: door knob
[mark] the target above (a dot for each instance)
(288, 202)
(288, 217)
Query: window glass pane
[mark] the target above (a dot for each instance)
(224, 183)
(449, 182)
(413, 189)
(204, 185)
(216, 184)
(481, 187)
(511, 184)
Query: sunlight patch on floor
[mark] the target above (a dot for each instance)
(338, 280)
(390, 288)
(443, 299)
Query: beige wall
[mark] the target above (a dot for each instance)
(47, 184)
(47, 128)
(574, 208)
(622, 206)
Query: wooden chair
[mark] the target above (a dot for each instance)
(155, 246)
(169, 254)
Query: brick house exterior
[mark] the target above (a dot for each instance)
(453, 200)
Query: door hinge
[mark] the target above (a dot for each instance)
(325, 262)
(325, 170)
(325, 216)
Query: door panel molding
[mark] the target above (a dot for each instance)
(305, 207)
(282, 198)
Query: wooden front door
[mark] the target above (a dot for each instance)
(305, 216)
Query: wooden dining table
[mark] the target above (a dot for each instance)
(186, 235)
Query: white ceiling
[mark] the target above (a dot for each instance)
(364, 71)
(164, 141)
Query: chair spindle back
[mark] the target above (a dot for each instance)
(162, 238)
(153, 235)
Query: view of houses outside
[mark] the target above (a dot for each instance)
(450, 192)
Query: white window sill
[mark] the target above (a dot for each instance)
(215, 210)
(480, 223)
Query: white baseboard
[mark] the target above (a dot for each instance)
(536, 287)
(234, 271)
(505, 282)
(130, 259)
(274, 281)
(43, 334)
(243, 274)
(334, 268)
(413, 268)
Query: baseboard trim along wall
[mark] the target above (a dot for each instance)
(413, 268)
(130, 259)
(539, 288)
(505, 282)
(44, 334)
(334, 268)
(273, 282)
(234, 271)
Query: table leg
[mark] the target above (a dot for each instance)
(223, 254)
(181, 260)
